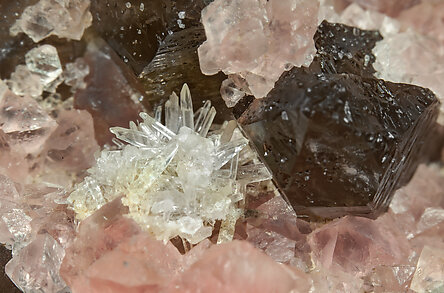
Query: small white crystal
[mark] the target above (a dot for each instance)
(75, 73)
(44, 61)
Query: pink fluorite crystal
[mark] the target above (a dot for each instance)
(257, 40)
(357, 245)
(26, 125)
(239, 267)
(36, 267)
(429, 274)
(72, 145)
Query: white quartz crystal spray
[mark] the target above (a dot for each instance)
(178, 179)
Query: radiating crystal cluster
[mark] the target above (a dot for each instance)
(177, 179)
(63, 18)
(246, 38)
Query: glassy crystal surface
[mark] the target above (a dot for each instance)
(26, 125)
(172, 177)
(111, 94)
(429, 274)
(349, 51)
(65, 19)
(133, 30)
(44, 61)
(245, 38)
(36, 267)
(340, 143)
(23, 82)
(175, 63)
(336, 143)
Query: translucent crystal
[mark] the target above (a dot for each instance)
(23, 82)
(36, 267)
(75, 73)
(230, 93)
(63, 18)
(429, 274)
(245, 38)
(19, 225)
(25, 123)
(171, 178)
(44, 61)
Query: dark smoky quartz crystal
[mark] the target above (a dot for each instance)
(337, 140)
(344, 49)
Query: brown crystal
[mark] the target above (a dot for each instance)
(339, 143)
(111, 95)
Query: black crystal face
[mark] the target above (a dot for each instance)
(339, 143)
(344, 49)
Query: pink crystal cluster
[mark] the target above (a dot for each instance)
(255, 41)
(274, 251)
(41, 154)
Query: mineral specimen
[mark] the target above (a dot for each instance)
(65, 19)
(178, 53)
(411, 58)
(357, 245)
(26, 125)
(245, 38)
(171, 178)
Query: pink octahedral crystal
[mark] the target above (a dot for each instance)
(9, 196)
(389, 7)
(112, 254)
(389, 279)
(63, 18)
(335, 281)
(357, 245)
(36, 267)
(70, 148)
(246, 38)
(420, 218)
(280, 234)
(26, 125)
(239, 267)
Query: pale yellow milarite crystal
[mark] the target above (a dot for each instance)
(176, 180)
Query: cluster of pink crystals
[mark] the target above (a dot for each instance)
(42, 153)
(256, 41)
(274, 251)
